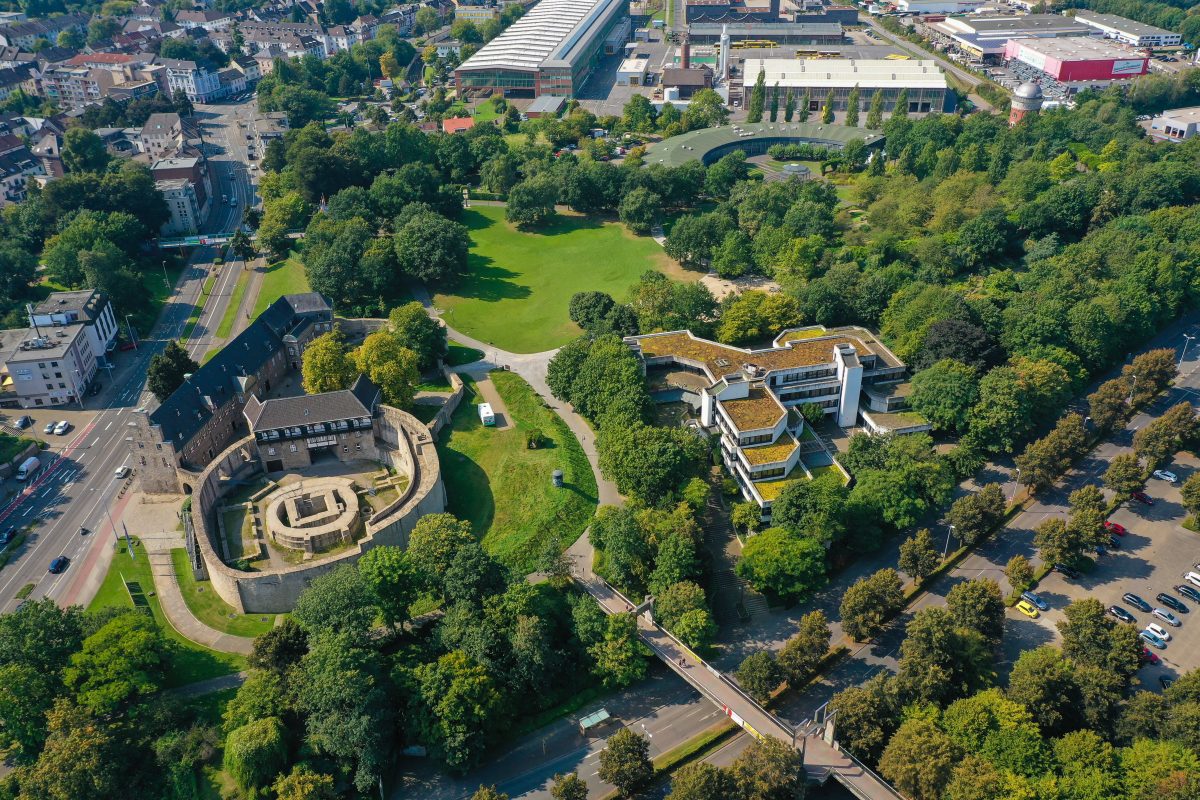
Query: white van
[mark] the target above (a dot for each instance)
(486, 416)
(28, 467)
(1193, 579)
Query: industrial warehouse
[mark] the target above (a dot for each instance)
(550, 51)
(922, 80)
(1076, 63)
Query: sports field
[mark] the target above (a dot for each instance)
(520, 282)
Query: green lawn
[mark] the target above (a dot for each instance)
(235, 303)
(459, 354)
(191, 662)
(210, 609)
(516, 293)
(283, 277)
(504, 489)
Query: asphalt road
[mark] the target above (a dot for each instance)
(969, 78)
(76, 485)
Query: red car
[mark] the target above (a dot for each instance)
(1142, 497)
(1149, 658)
(1113, 527)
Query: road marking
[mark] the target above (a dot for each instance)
(109, 425)
(25, 513)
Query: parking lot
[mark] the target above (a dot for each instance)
(1153, 557)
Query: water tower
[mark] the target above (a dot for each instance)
(1026, 101)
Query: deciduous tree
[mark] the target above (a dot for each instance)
(759, 675)
(167, 369)
(800, 656)
(256, 753)
(919, 759)
(783, 564)
(419, 332)
(1124, 475)
(870, 602)
(390, 365)
(769, 770)
(1019, 572)
(918, 555)
(978, 605)
(326, 365)
(625, 762)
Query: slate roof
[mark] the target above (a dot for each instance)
(311, 409)
(191, 406)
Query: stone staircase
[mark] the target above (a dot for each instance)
(733, 600)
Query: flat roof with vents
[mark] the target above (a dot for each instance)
(825, 73)
(548, 33)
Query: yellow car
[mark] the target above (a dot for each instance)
(1027, 609)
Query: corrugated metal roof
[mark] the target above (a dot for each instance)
(545, 33)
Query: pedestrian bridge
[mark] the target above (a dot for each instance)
(822, 756)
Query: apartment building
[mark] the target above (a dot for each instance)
(180, 197)
(88, 307)
(76, 84)
(207, 20)
(197, 81)
(26, 34)
(193, 169)
(18, 166)
(751, 399)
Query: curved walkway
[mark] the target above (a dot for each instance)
(170, 598)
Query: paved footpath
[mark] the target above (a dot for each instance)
(181, 618)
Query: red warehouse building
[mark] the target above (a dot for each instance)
(1076, 58)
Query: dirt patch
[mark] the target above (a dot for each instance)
(720, 287)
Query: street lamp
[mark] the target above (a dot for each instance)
(1187, 340)
(132, 335)
(1016, 483)
(112, 523)
(946, 549)
(1132, 386)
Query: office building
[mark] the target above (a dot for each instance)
(751, 398)
(197, 81)
(776, 33)
(90, 308)
(46, 366)
(939, 6)
(551, 50)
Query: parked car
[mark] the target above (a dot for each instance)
(1122, 614)
(1153, 639)
(121, 471)
(23, 422)
(1193, 578)
(1066, 570)
(1147, 657)
(49, 427)
(1101, 550)
(1159, 630)
(1171, 603)
(1167, 617)
(61, 428)
(59, 565)
(1143, 498)
(1037, 601)
(1027, 609)
(1115, 527)
(1136, 602)
(1114, 543)
(1188, 592)
(1165, 475)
